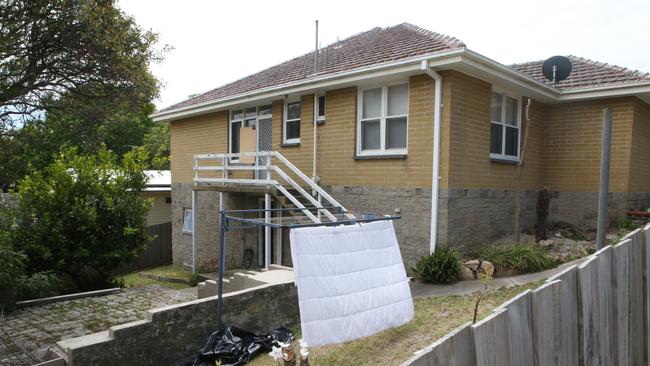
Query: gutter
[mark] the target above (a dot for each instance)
(435, 176)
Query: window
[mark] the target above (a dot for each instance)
(244, 118)
(188, 228)
(383, 120)
(291, 133)
(321, 109)
(505, 126)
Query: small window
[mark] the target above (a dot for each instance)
(504, 127)
(292, 123)
(383, 120)
(188, 228)
(168, 199)
(321, 108)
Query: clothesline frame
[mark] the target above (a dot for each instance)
(226, 216)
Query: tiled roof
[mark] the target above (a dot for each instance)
(585, 74)
(375, 46)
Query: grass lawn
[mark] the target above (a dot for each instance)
(434, 317)
(134, 280)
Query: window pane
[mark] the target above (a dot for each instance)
(263, 110)
(293, 110)
(321, 106)
(371, 103)
(512, 137)
(234, 137)
(497, 99)
(251, 112)
(398, 100)
(396, 133)
(511, 111)
(496, 138)
(237, 114)
(250, 122)
(293, 130)
(187, 222)
(370, 135)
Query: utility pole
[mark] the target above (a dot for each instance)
(605, 153)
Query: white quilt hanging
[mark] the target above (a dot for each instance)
(351, 281)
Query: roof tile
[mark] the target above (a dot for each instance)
(372, 47)
(585, 74)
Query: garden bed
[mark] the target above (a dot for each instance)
(434, 317)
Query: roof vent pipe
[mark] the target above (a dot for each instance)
(316, 51)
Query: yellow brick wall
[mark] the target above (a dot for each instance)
(572, 142)
(563, 149)
(196, 135)
(466, 138)
(337, 143)
(640, 154)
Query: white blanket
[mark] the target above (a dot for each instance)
(351, 281)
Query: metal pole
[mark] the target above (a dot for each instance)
(267, 231)
(223, 224)
(194, 231)
(605, 152)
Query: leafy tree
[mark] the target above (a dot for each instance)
(82, 217)
(83, 50)
(156, 144)
(35, 145)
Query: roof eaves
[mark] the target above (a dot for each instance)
(279, 89)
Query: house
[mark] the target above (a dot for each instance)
(411, 121)
(159, 188)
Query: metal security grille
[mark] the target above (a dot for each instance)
(264, 143)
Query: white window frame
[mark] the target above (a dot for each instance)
(285, 111)
(382, 120)
(243, 119)
(503, 125)
(188, 221)
(320, 118)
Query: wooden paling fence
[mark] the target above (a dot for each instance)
(596, 313)
(158, 253)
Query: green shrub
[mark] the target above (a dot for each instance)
(443, 266)
(626, 224)
(82, 217)
(521, 257)
(15, 284)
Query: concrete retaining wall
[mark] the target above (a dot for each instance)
(173, 335)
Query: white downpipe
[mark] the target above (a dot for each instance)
(313, 174)
(435, 176)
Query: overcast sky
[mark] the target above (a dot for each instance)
(216, 42)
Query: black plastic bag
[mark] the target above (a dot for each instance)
(233, 346)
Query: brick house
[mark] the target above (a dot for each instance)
(374, 98)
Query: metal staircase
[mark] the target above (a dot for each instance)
(290, 187)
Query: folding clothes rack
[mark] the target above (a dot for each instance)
(342, 217)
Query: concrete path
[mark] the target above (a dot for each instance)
(419, 289)
(26, 330)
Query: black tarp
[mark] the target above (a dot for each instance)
(233, 346)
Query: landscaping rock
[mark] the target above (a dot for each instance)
(480, 268)
(546, 243)
(466, 274)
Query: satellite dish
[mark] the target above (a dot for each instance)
(557, 68)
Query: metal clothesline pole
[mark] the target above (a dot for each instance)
(222, 263)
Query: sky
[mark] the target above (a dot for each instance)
(216, 42)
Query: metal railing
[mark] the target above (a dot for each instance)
(269, 163)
